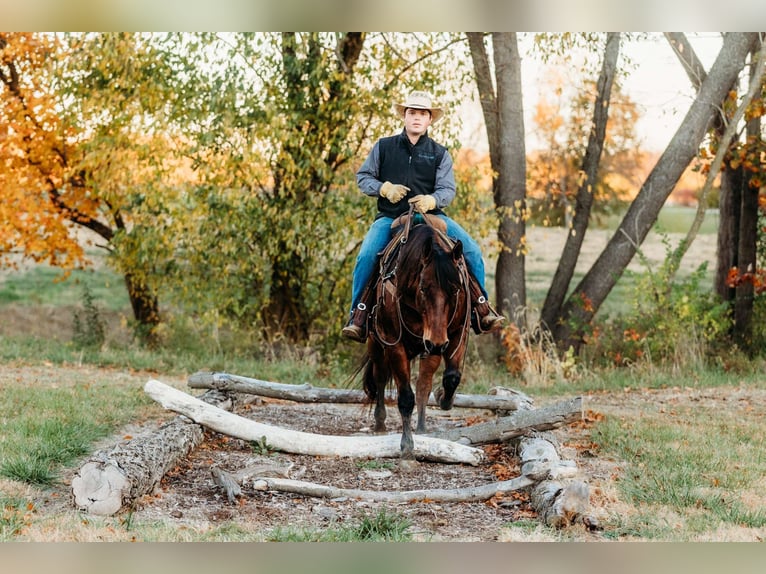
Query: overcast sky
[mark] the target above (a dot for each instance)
(658, 84)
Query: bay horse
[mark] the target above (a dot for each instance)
(422, 310)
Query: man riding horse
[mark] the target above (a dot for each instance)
(411, 166)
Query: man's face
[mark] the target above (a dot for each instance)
(416, 122)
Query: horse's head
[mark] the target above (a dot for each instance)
(435, 287)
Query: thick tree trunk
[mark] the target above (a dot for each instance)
(504, 400)
(114, 478)
(510, 189)
(517, 424)
(297, 442)
(568, 261)
(598, 282)
(504, 121)
(146, 309)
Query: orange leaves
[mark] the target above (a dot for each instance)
(735, 278)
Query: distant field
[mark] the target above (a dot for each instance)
(36, 300)
(546, 244)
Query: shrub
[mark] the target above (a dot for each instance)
(88, 326)
(674, 322)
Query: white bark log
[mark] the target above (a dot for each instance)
(503, 399)
(467, 494)
(298, 442)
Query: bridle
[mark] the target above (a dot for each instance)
(389, 285)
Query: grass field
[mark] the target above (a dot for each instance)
(682, 450)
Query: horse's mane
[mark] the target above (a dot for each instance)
(446, 272)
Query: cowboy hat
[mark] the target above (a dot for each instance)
(420, 101)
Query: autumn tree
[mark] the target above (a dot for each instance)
(87, 143)
(288, 119)
(587, 297)
(737, 270)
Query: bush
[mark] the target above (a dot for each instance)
(671, 322)
(89, 328)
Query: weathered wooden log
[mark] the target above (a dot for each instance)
(466, 494)
(286, 440)
(558, 502)
(227, 482)
(114, 478)
(504, 399)
(516, 424)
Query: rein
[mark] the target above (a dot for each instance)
(391, 277)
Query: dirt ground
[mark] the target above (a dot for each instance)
(188, 499)
(189, 496)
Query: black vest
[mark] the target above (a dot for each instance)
(410, 165)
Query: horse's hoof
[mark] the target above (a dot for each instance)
(408, 464)
(443, 403)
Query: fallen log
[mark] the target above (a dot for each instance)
(286, 440)
(113, 478)
(504, 399)
(517, 424)
(466, 494)
(558, 502)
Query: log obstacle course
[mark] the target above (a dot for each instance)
(114, 479)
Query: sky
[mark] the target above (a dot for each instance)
(660, 85)
(657, 83)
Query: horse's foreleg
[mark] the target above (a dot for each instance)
(428, 366)
(406, 404)
(450, 380)
(405, 401)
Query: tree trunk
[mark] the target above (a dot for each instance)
(504, 121)
(297, 442)
(114, 478)
(510, 190)
(558, 502)
(748, 236)
(567, 262)
(728, 230)
(504, 400)
(598, 282)
(146, 310)
(517, 424)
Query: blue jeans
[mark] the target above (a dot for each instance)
(380, 234)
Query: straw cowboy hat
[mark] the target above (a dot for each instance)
(419, 101)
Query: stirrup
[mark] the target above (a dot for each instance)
(356, 328)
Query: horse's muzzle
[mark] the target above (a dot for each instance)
(432, 349)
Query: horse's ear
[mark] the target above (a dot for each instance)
(428, 248)
(457, 251)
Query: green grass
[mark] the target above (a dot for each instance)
(675, 219)
(43, 285)
(45, 428)
(689, 470)
(381, 527)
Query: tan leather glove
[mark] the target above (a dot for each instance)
(423, 203)
(393, 192)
